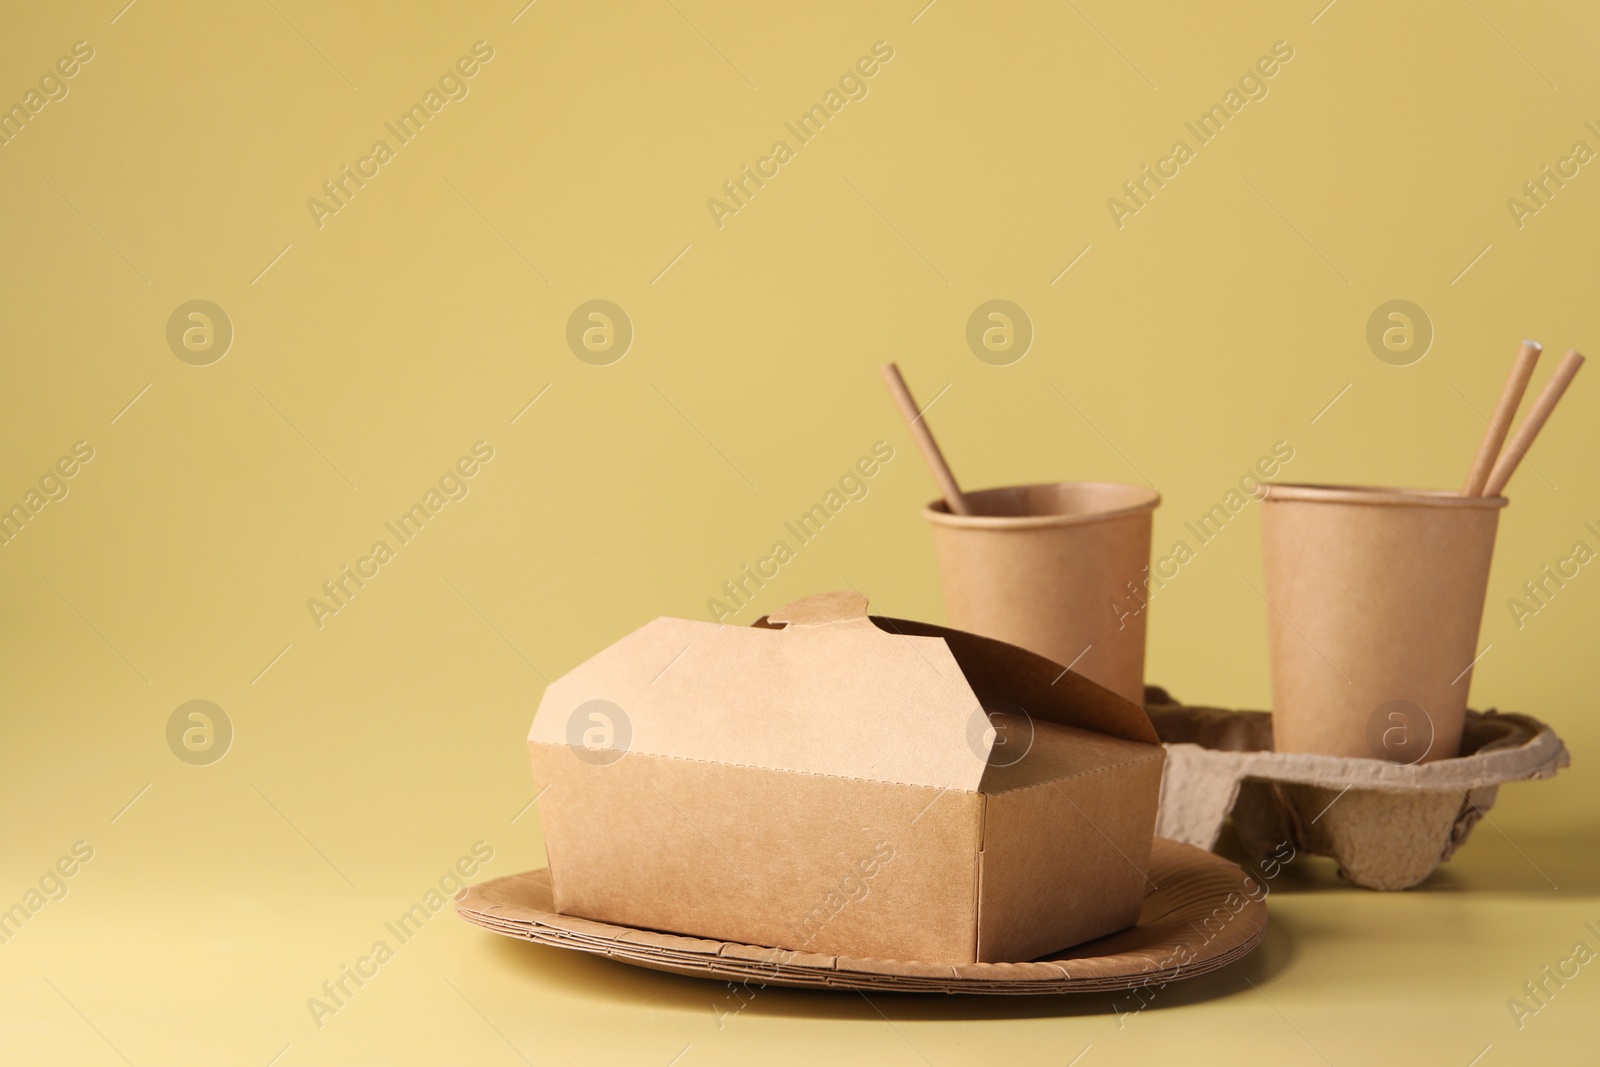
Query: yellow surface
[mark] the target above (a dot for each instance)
(374, 750)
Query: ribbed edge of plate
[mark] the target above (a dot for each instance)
(1200, 915)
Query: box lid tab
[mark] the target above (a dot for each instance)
(815, 688)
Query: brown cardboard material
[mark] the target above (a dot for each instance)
(923, 435)
(1374, 599)
(827, 781)
(1388, 825)
(1047, 568)
(1498, 427)
(1199, 914)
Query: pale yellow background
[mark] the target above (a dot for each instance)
(1224, 317)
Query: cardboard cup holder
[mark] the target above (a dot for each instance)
(1388, 825)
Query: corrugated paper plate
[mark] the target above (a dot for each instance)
(1200, 914)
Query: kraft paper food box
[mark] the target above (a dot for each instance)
(830, 782)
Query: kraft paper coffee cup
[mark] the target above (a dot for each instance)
(1058, 569)
(1374, 599)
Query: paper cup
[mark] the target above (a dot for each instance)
(1374, 599)
(1048, 568)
